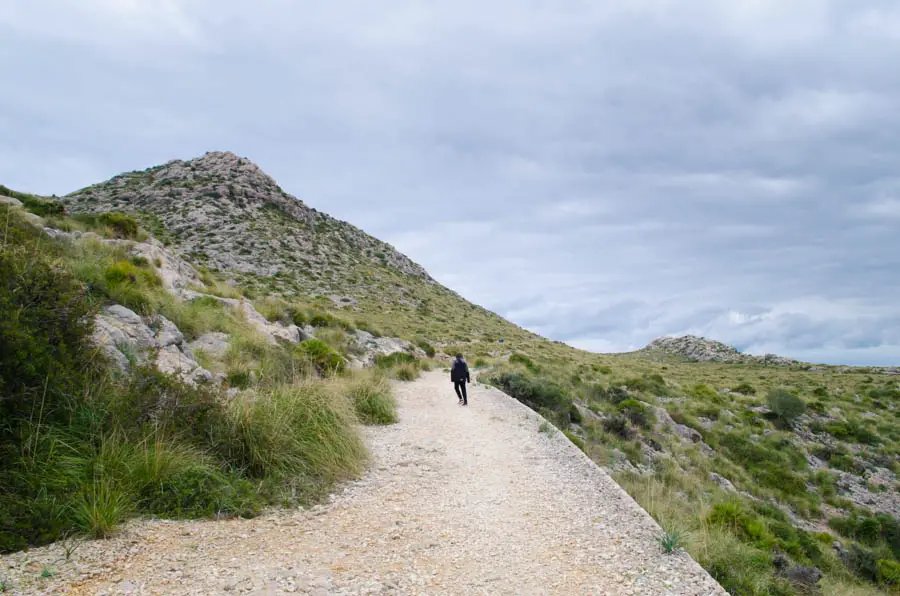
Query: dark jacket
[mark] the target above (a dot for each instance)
(460, 371)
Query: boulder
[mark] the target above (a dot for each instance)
(127, 339)
(724, 483)
(121, 333)
(370, 347)
(173, 361)
(688, 433)
(214, 344)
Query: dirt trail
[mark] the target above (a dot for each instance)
(458, 501)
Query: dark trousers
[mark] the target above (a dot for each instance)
(460, 387)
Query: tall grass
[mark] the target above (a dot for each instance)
(81, 448)
(373, 400)
(306, 429)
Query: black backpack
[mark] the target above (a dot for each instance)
(458, 372)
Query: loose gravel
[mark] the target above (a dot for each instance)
(459, 500)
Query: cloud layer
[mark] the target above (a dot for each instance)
(600, 174)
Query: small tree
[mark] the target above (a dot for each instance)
(787, 406)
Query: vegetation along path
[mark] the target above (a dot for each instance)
(458, 500)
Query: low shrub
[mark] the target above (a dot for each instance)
(324, 357)
(42, 207)
(618, 425)
(122, 225)
(405, 371)
(888, 572)
(704, 392)
(652, 384)
(536, 393)
(637, 413)
(613, 395)
(373, 400)
(426, 347)
(787, 406)
(744, 389)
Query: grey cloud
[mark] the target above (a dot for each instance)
(603, 174)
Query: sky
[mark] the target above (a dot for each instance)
(600, 173)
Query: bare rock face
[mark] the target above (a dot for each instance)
(128, 339)
(214, 344)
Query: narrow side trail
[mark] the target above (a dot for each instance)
(458, 501)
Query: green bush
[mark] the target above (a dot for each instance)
(536, 393)
(744, 389)
(45, 323)
(704, 392)
(42, 207)
(426, 347)
(576, 440)
(324, 357)
(618, 425)
(613, 395)
(862, 562)
(241, 379)
(637, 413)
(787, 406)
(122, 225)
(888, 572)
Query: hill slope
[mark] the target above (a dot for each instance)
(222, 212)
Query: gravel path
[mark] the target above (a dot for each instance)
(458, 501)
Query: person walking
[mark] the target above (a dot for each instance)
(459, 374)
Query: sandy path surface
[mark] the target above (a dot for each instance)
(458, 501)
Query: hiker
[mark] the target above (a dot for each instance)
(459, 374)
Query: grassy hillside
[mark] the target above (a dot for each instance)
(756, 467)
(84, 446)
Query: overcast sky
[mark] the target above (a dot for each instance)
(601, 175)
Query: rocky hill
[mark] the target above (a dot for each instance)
(701, 349)
(221, 212)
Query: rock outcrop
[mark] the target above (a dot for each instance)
(370, 347)
(269, 330)
(128, 340)
(701, 349)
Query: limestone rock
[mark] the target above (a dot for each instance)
(724, 483)
(688, 433)
(214, 344)
(127, 339)
(370, 347)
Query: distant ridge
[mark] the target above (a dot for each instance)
(701, 349)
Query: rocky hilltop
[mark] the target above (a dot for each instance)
(701, 349)
(223, 212)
